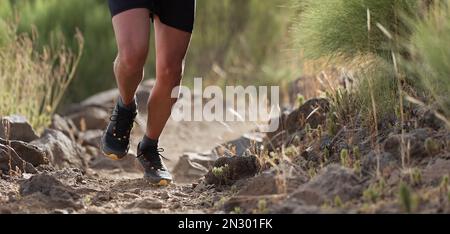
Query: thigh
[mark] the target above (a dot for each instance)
(132, 30)
(171, 45)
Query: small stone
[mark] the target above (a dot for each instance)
(18, 129)
(148, 203)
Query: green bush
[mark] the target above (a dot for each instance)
(361, 34)
(430, 51)
(341, 27)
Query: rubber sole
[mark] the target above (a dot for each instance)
(112, 157)
(163, 183)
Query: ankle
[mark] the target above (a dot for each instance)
(148, 143)
(132, 105)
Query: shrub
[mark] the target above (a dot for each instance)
(430, 51)
(33, 83)
(341, 27)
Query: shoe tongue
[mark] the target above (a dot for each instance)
(148, 149)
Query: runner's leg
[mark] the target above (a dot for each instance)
(132, 30)
(171, 48)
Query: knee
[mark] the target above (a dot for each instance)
(132, 59)
(170, 73)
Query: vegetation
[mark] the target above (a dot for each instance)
(232, 43)
(348, 27)
(33, 83)
(369, 38)
(431, 53)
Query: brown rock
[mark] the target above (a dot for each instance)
(148, 204)
(90, 118)
(313, 112)
(64, 125)
(60, 150)
(27, 152)
(192, 166)
(332, 181)
(9, 159)
(436, 170)
(53, 189)
(91, 138)
(267, 183)
(233, 169)
(252, 204)
(416, 140)
(17, 128)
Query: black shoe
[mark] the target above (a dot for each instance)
(115, 141)
(155, 170)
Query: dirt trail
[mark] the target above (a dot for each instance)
(302, 168)
(182, 137)
(123, 191)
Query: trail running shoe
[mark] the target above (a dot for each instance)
(155, 170)
(115, 141)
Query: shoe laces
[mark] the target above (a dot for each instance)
(123, 123)
(153, 156)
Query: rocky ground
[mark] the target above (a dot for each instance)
(308, 166)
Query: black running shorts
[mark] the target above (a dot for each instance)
(175, 13)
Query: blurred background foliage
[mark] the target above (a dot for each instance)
(235, 42)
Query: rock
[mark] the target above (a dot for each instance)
(17, 127)
(92, 151)
(107, 99)
(130, 196)
(27, 152)
(426, 118)
(240, 146)
(252, 204)
(143, 94)
(65, 126)
(60, 150)
(9, 159)
(387, 162)
(227, 170)
(187, 170)
(104, 99)
(128, 164)
(313, 112)
(148, 204)
(102, 197)
(416, 139)
(292, 208)
(90, 118)
(267, 183)
(332, 181)
(91, 138)
(192, 166)
(277, 137)
(164, 195)
(50, 187)
(300, 87)
(435, 171)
